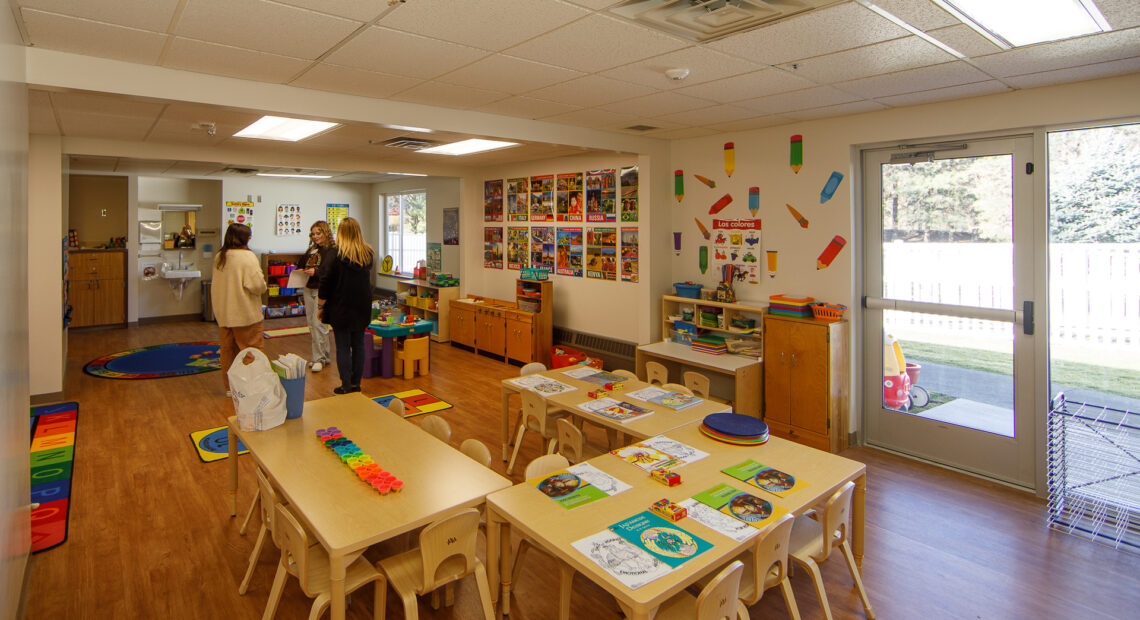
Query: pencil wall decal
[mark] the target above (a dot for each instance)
(796, 155)
(796, 214)
(829, 188)
(830, 252)
(753, 200)
(707, 181)
(729, 158)
(719, 205)
(679, 184)
(704, 231)
(704, 259)
(773, 256)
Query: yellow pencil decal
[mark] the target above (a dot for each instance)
(729, 158)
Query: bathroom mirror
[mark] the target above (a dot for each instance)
(179, 225)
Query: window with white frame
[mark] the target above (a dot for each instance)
(406, 217)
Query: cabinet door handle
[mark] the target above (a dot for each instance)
(781, 358)
(793, 359)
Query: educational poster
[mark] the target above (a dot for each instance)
(518, 200)
(569, 197)
(451, 226)
(542, 198)
(288, 220)
(434, 256)
(238, 213)
(737, 242)
(629, 194)
(601, 195)
(601, 253)
(569, 245)
(629, 250)
(517, 246)
(493, 201)
(493, 247)
(334, 213)
(542, 247)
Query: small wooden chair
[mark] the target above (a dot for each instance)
(717, 601)
(396, 406)
(656, 373)
(766, 566)
(477, 451)
(266, 498)
(628, 374)
(446, 554)
(572, 442)
(541, 466)
(532, 368)
(534, 417)
(413, 357)
(437, 426)
(677, 387)
(698, 383)
(307, 560)
(813, 539)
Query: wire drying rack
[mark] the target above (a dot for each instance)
(1094, 473)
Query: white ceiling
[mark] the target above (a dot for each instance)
(563, 61)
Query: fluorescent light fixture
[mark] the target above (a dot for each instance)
(1013, 23)
(408, 128)
(296, 176)
(467, 147)
(281, 128)
(407, 174)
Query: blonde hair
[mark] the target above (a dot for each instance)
(325, 229)
(350, 243)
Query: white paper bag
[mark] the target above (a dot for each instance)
(259, 397)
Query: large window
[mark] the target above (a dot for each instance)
(407, 228)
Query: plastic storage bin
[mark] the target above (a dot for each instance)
(688, 289)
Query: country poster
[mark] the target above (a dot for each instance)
(629, 250)
(493, 247)
(517, 246)
(568, 197)
(542, 198)
(542, 247)
(493, 201)
(601, 253)
(569, 251)
(601, 195)
(629, 194)
(518, 199)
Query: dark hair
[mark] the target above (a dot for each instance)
(237, 238)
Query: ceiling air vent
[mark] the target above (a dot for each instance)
(706, 20)
(412, 144)
(640, 127)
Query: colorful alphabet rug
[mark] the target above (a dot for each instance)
(213, 444)
(53, 454)
(161, 360)
(416, 402)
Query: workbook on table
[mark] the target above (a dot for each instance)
(763, 477)
(665, 398)
(602, 377)
(629, 564)
(755, 511)
(659, 452)
(614, 409)
(664, 540)
(543, 385)
(580, 372)
(578, 485)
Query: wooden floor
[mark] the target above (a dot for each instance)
(151, 537)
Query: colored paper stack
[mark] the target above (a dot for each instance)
(736, 429)
(709, 344)
(790, 305)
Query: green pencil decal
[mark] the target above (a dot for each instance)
(796, 158)
(679, 184)
(704, 258)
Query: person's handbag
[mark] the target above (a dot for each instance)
(259, 397)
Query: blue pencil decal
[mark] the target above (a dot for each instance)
(753, 200)
(832, 185)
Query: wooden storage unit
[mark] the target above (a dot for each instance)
(424, 300)
(271, 302)
(537, 297)
(98, 294)
(504, 329)
(462, 323)
(672, 307)
(805, 380)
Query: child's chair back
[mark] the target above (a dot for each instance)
(448, 549)
(437, 426)
(836, 521)
(656, 373)
(677, 387)
(477, 451)
(720, 599)
(297, 547)
(532, 368)
(546, 464)
(698, 383)
(570, 440)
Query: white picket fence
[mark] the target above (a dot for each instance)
(1094, 288)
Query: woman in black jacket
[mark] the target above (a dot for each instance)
(345, 299)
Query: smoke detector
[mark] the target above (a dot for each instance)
(677, 74)
(707, 20)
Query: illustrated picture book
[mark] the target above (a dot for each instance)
(763, 477)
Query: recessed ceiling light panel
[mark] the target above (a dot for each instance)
(467, 147)
(1014, 23)
(284, 129)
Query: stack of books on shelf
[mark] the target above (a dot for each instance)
(790, 305)
(709, 344)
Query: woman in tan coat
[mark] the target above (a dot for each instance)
(235, 290)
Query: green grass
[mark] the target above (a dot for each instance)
(1119, 381)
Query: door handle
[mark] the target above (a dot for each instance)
(1027, 318)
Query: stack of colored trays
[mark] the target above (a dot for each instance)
(736, 429)
(790, 305)
(709, 344)
(359, 462)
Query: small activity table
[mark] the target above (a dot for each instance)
(388, 335)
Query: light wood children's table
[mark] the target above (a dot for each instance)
(548, 524)
(345, 515)
(662, 419)
(746, 372)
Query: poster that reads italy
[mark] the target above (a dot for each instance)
(737, 243)
(238, 213)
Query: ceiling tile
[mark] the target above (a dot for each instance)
(943, 94)
(923, 78)
(91, 38)
(597, 5)
(683, 133)
(596, 43)
(707, 116)
(178, 121)
(887, 57)
(1075, 74)
(657, 104)
(756, 122)
(855, 107)
(748, 86)
(41, 118)
(485, 24)
(526, 107)
(153, 15)
(449, 95)
(599, 119)
(247, 64)
(104, 116)
(509, 75)
(1087, 50)
(704, 65)
(263, 26)
(799, 100)
(811, 34)
(590, 91)
(921, 14)
(359, 10)
(390, 51)
(965, 40)
(337, 79)
(1120, 13)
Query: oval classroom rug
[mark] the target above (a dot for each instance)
(161, 360)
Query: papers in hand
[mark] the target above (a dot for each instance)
(298, 278)
(290, 366)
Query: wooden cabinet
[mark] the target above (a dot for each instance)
(462, 324)
(520, 337)
(424, 300)
(519, 331)
(490, 330)
(98, 291)
(537, 299)
(805, 380)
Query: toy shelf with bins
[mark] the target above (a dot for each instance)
(275, 266)
(673, 309)
(426, 301)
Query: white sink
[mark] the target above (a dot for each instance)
(181, 274)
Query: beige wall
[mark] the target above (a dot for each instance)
(47, 337)
(89, 197)
(442, 193)
(14, 440)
